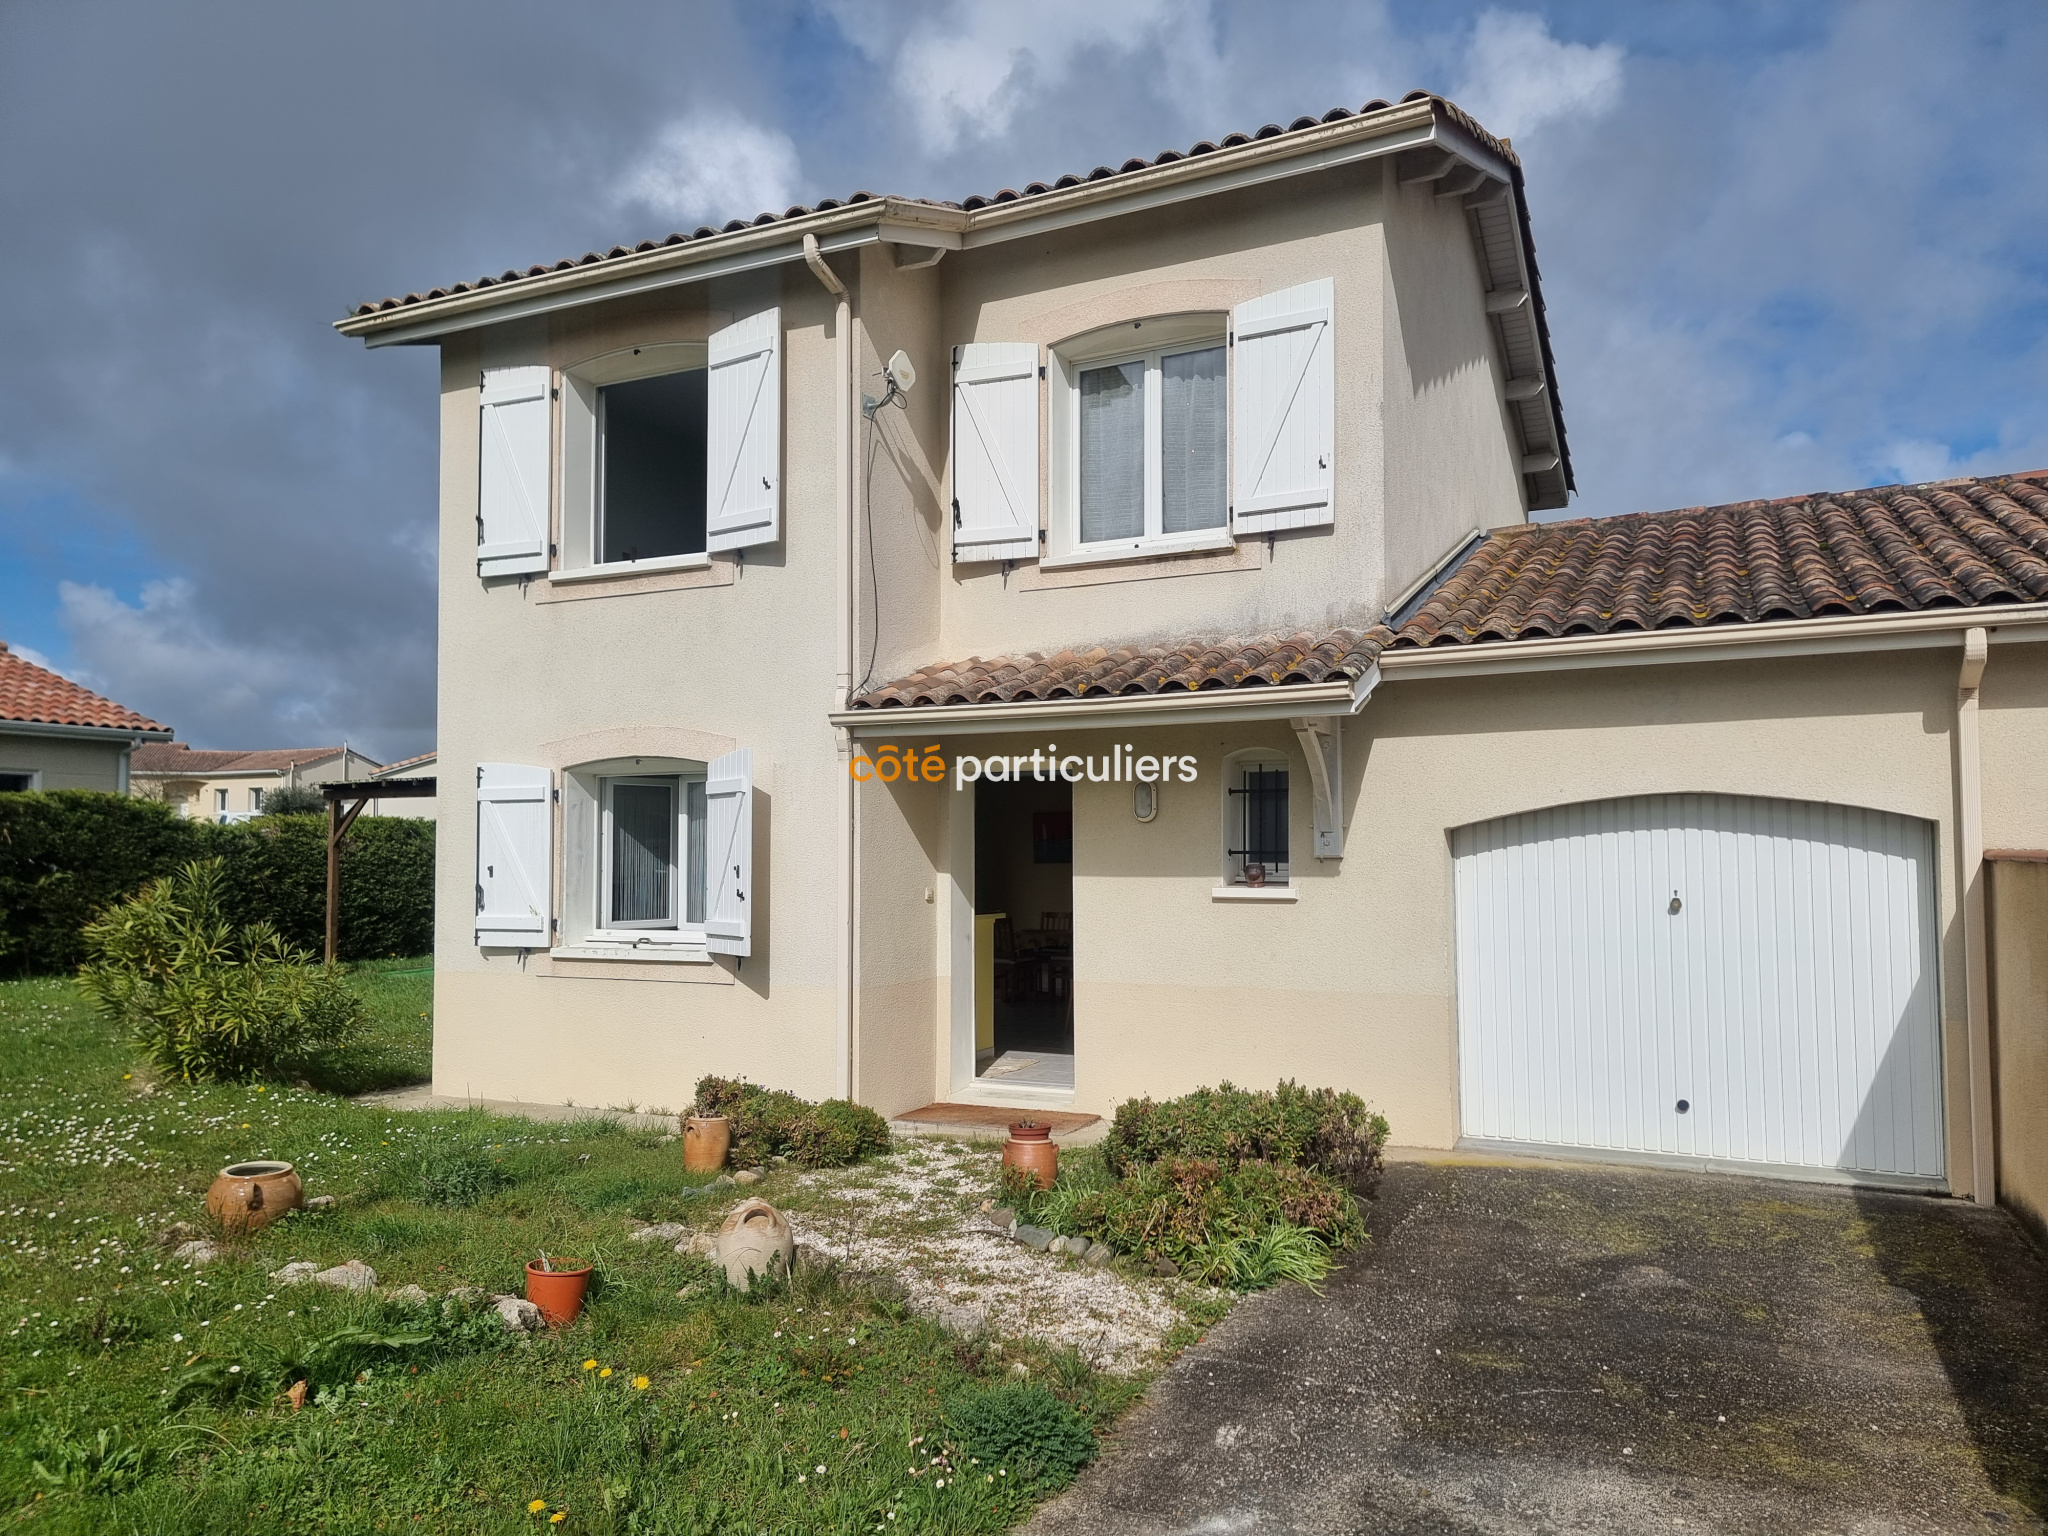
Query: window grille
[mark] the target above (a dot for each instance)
(1263, 799)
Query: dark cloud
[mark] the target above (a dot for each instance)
(1779, 255)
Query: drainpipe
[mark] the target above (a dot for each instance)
(842, 686)
(1976, 963)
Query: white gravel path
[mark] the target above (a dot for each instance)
(915, 1215)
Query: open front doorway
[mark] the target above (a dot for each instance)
(1024, 934)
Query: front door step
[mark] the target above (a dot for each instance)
(992, 1122)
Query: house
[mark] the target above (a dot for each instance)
(57, 735)
(229, 786)
(422, 806)
(1090, 641)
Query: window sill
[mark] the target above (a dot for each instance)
(1253, 893)
(668, 952)
(618, 568)
(1208, 541)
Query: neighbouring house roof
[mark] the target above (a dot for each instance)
(404, 766)
(33, 695)
(174, 757)
(1900, 549)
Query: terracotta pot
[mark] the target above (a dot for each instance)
(755, 1240)
(247, 1197)
(706, 1140)
(558, 1292)
(1031, 1150)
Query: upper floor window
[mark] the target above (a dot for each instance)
(255, 798)
(635, 429)
(1153, 454)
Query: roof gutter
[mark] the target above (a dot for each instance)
(87, 732)
(1345, 696)
(1788, 637)
(909, 222)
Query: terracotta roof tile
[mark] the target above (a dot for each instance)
(1098, 673)
(1892, 549)
(969, 204)
(37, 696)
(176, 757)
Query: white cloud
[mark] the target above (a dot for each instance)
(967, 74)
(1916, 459)
(35, 658)
(711, 167)
(1518, 77)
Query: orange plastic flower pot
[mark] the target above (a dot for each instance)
(558, 1292)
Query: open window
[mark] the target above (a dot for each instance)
(1255, 820)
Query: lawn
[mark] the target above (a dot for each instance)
(144, 1395)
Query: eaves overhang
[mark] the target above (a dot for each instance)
(86, 732)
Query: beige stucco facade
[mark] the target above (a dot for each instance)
(860, 972)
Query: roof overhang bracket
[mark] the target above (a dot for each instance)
(1322, 743)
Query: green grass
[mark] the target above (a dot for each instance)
(460, 1429)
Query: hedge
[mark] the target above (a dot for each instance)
(68, 854)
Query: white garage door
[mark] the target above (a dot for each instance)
(1703, 976)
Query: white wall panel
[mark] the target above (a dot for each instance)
(1790, 1001)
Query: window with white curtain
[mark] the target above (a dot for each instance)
(1145, 438)
(651, 852)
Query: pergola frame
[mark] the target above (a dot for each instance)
(360, 792)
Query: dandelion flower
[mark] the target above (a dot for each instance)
(536, 1506)
(640, 1382)
(606, 1371)
(558, 1517)
(590, 1365)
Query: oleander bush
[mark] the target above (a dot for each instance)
(294, 800)
(207, 1000)
(1332, 1133)
(768, 1122)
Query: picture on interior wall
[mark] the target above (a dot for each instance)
(1052, 837)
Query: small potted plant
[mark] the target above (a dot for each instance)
(557, 1287)
(706, 1141)
(1032, 1152)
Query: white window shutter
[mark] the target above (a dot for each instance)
(1283, 409)
(512, 473)
(514, 871)
(995, 451)
(743, 450)
(729, 853)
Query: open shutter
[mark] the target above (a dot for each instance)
(512, 473)
(1283, 409)
(995, 451)
(729, 853)
(514, 834)
(743, 453)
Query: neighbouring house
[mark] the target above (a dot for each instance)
(229, 786)
(422, 806)
(57, 735)
(1180, 510)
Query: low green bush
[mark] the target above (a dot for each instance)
(767, 1122)
(208, 1001)
(458, 1174)
(1021, 1428)
(1200, 1214)
(294, 800)
(1333, 1133)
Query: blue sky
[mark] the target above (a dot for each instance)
(1785, 248)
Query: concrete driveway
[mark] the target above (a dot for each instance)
(1551, 1348)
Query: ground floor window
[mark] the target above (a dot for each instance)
(652, 851)
(1255, 821)
(13, 782)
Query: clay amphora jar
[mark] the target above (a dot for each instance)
(247, 1197)
(1030, 1149)
(706, 1140)
(558, 1289)
(755, 1240)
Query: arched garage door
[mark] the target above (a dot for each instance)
(1713, 977)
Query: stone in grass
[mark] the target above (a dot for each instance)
(471, 1296)
(412, 1296)
(963, 1320)
(519, 1314)
(197, 1251)
(1033, 1237)
(298, 1272)
(660, 1232)
(1165, 1268)
(1098, 1255)
(354, 1275)
(320, 1203)
(177, 1232)
(747, 1176)
(1002, 1216)
(723, 1178)
(702, 1244)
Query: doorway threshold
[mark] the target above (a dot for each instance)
(990, 1122)
(1036, 1070)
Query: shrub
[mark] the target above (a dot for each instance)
(67, 855)
(1333, 1133)
(458, 1174)
(208, 1001)
(1024, 1428)
(767, 1122)
(294, 800)
(1198, 1213)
